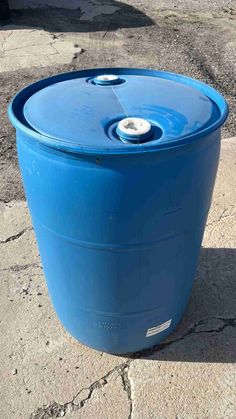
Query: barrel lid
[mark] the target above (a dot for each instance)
(121, 110)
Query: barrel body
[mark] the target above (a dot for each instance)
(119, 236)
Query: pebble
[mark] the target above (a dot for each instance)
(14, 371)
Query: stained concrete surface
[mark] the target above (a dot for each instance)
(47, 374)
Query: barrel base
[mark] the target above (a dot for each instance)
(128, 341)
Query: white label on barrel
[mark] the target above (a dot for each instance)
(158, 329)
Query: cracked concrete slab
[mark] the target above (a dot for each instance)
(13, 215)
(27, 47)
(51, 366)
(108, 399)
(39, 48)
(183, 380)
(98, 400)
(164, 387)
(23, 46)
(19, 252)
(47, 374)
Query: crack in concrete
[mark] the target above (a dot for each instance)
(18, 268)
(27, 46)
(16, 236)
(6, 37)
(221, 217)
(50, 43)
(127, 387)
(192, 330)
(55, 410)
(218, 219)
(122, 370)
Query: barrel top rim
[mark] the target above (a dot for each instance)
(16, 114)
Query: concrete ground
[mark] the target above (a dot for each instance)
(45, 372)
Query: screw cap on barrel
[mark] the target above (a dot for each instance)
(134, 129)
(107, 79)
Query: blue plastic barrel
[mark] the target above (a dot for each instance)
(119, 167)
